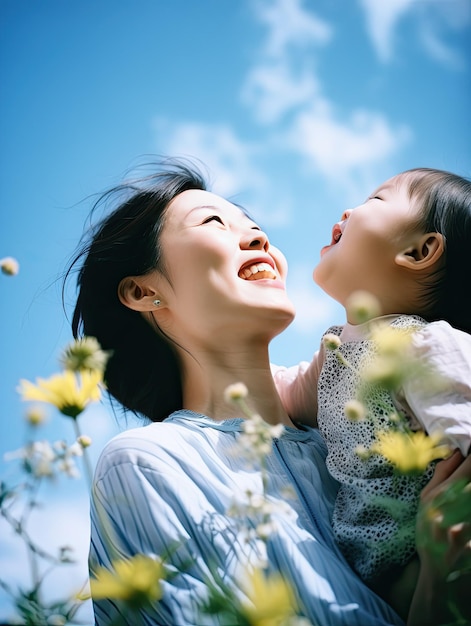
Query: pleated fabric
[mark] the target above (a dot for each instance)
(164, 489)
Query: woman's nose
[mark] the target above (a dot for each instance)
(256, 240)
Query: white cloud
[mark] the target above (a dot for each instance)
(438, 50)
(434, 20)
(439, 19)
(228, 158)
(339, 148)
(283, 88)
(274, 89)
(289, 25)
(382, 18)
(283, 78)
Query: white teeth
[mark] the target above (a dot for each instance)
(252, 272)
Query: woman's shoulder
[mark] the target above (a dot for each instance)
(144, 445)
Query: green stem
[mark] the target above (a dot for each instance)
(86, 458)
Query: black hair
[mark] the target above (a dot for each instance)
(444, 205)
(143, 373)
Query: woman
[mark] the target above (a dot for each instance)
(187, 292)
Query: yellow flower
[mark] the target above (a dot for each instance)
(69, 392)
(136, 581)
(392, 341)
(394, 361)
(410, 452)
(271, 600)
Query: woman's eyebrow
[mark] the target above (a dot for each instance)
(212, 207)
(204, 206)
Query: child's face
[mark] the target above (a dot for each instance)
(364, 245)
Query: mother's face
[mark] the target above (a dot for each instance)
(221, 273)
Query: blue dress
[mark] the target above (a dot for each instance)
(166, 488)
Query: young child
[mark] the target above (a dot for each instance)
(409, 245)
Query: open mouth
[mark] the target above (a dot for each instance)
(257, 271)
(336, 233)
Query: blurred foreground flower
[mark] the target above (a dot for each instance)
(35, 416)
(331, 341)
(71, 393)
(271, 600)
(9, 266)
(257, 437)
(362, 307)
(256, 440)
(355, 411)
(235, 392)
(84, 354)
(41, 459)
(409, 452)
(395, 361)
(136, 581)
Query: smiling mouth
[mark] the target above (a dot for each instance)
(257, 271)
(336, 234)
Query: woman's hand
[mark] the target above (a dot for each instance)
(444, 546)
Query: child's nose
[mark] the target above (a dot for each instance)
(346, 214)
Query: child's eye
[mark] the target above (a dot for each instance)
(213, 218)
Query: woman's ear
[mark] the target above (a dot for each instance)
(136, 293)
(424, 252)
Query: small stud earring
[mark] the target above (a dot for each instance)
(156, 302)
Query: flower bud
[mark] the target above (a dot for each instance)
(355, 411)
(331, 341)
(9, 266)
(35, 416)
(235, 392)
(84, 440)
(362, 306)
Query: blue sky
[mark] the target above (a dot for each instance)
(298, 108)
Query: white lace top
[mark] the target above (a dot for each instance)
(368, 534)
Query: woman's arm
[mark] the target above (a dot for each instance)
(437, 600)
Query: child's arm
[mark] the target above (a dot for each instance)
(437, 599)
(442, 405)
(297, 388)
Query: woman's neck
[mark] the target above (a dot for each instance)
(208, 374)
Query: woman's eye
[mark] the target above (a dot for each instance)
(212, 218)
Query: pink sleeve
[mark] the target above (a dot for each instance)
(297, 388)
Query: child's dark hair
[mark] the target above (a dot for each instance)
(444, 202)
(143, 373)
